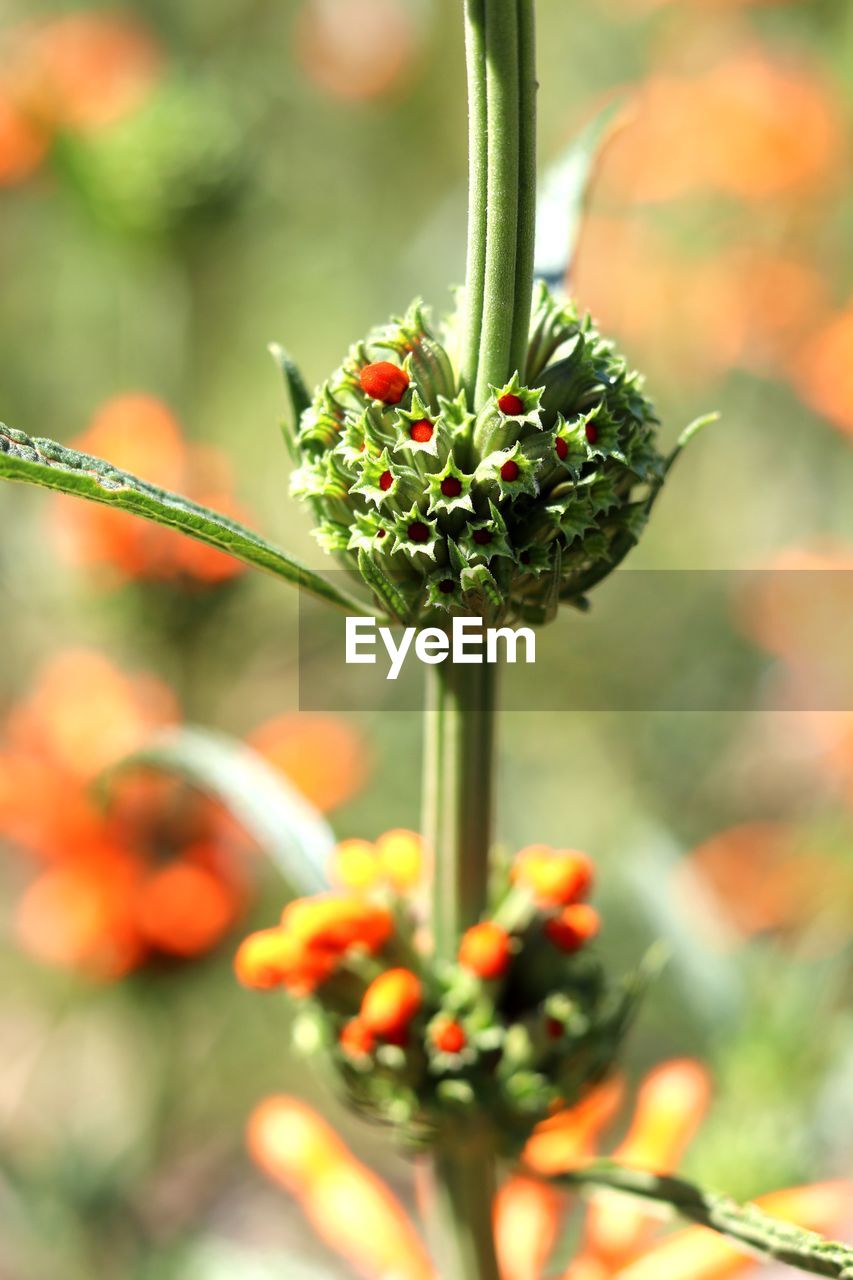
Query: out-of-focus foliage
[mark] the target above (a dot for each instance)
(182, 183)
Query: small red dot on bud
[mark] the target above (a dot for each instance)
(451, 487)
(511, 405)
(380, 533)
(591, 432)
(554, 1028)
(421, 432)
(449, 1037)
(562, 447)
(525, 557)
(418, 531)
(384, 381)
(510, 471)
(447, 586)
(386, 480)
(482, 537)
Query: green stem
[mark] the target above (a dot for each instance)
(502, 194)
(475, 272)
(458, 798)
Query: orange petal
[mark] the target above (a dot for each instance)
(527, 1220)
(698, 1253)
(348, 1206)
(324, 757)
(561, 1142)
(671, 1103)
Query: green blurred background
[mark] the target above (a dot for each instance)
(222, 173)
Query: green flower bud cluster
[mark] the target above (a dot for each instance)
(503, 513)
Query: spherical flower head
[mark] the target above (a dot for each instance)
(574, 927)
(506, 510)
(334, 924)
(553, 877)
(486, 950)
(390, 1004)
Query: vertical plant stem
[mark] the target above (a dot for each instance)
(526, 237)
(502, 182)
(457, 821)
(458, 796)
(475, 53)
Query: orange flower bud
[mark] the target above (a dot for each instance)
(272, 958)
(485, 950)
(448, 1036)
(184, 909)
(573, 927)
(355, 865)
(334, 924)
(391, 1002)
(356, 1039)
(401, 855)
(554, 877)
(384, 381)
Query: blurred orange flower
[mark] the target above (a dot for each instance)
(76, 71)
(157, 874)
(323, 756)
(751, 125)
(823, 374)
(747, 307)
(355, 50)
(369, 1228)
(139, 434)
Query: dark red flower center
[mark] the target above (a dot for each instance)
(509, 470)
(447, 586)
(451, 487)
(482, 537)
(511, 405)
(562, 447)
(386, 480)
(591, 432)
(418, 531)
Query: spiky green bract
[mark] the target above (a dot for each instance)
(504, 514)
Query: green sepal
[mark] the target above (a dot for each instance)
(366, 532)
(488, 474)
(402, 541)
(386, 592)
(439, 502)
(476, 580)
(373, 469)
(478, 552)
(495, 429)
(417, 412)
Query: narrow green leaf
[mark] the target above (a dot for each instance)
(382, 586)
(563, 194)
(745, 1225)
(297, 391)
(692, 429)
(286, 827)
(51, 465)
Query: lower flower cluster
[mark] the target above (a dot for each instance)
(511, 1031)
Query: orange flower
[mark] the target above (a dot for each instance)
(448, 1036)
(486, 950)
(384, 381)
(390, 1003)
(335, 924)
(750, 125)
(89, 69)
(324, 757)
(567, 1138)
(527, 1221)
(356, 1039)
(348, 1206)
(355, 50)
(139, 434)
(185, 909)
(823, 375)
(356, 1215)
(24, 141)
(356, 865)
(671, 1103)
(554, 877)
